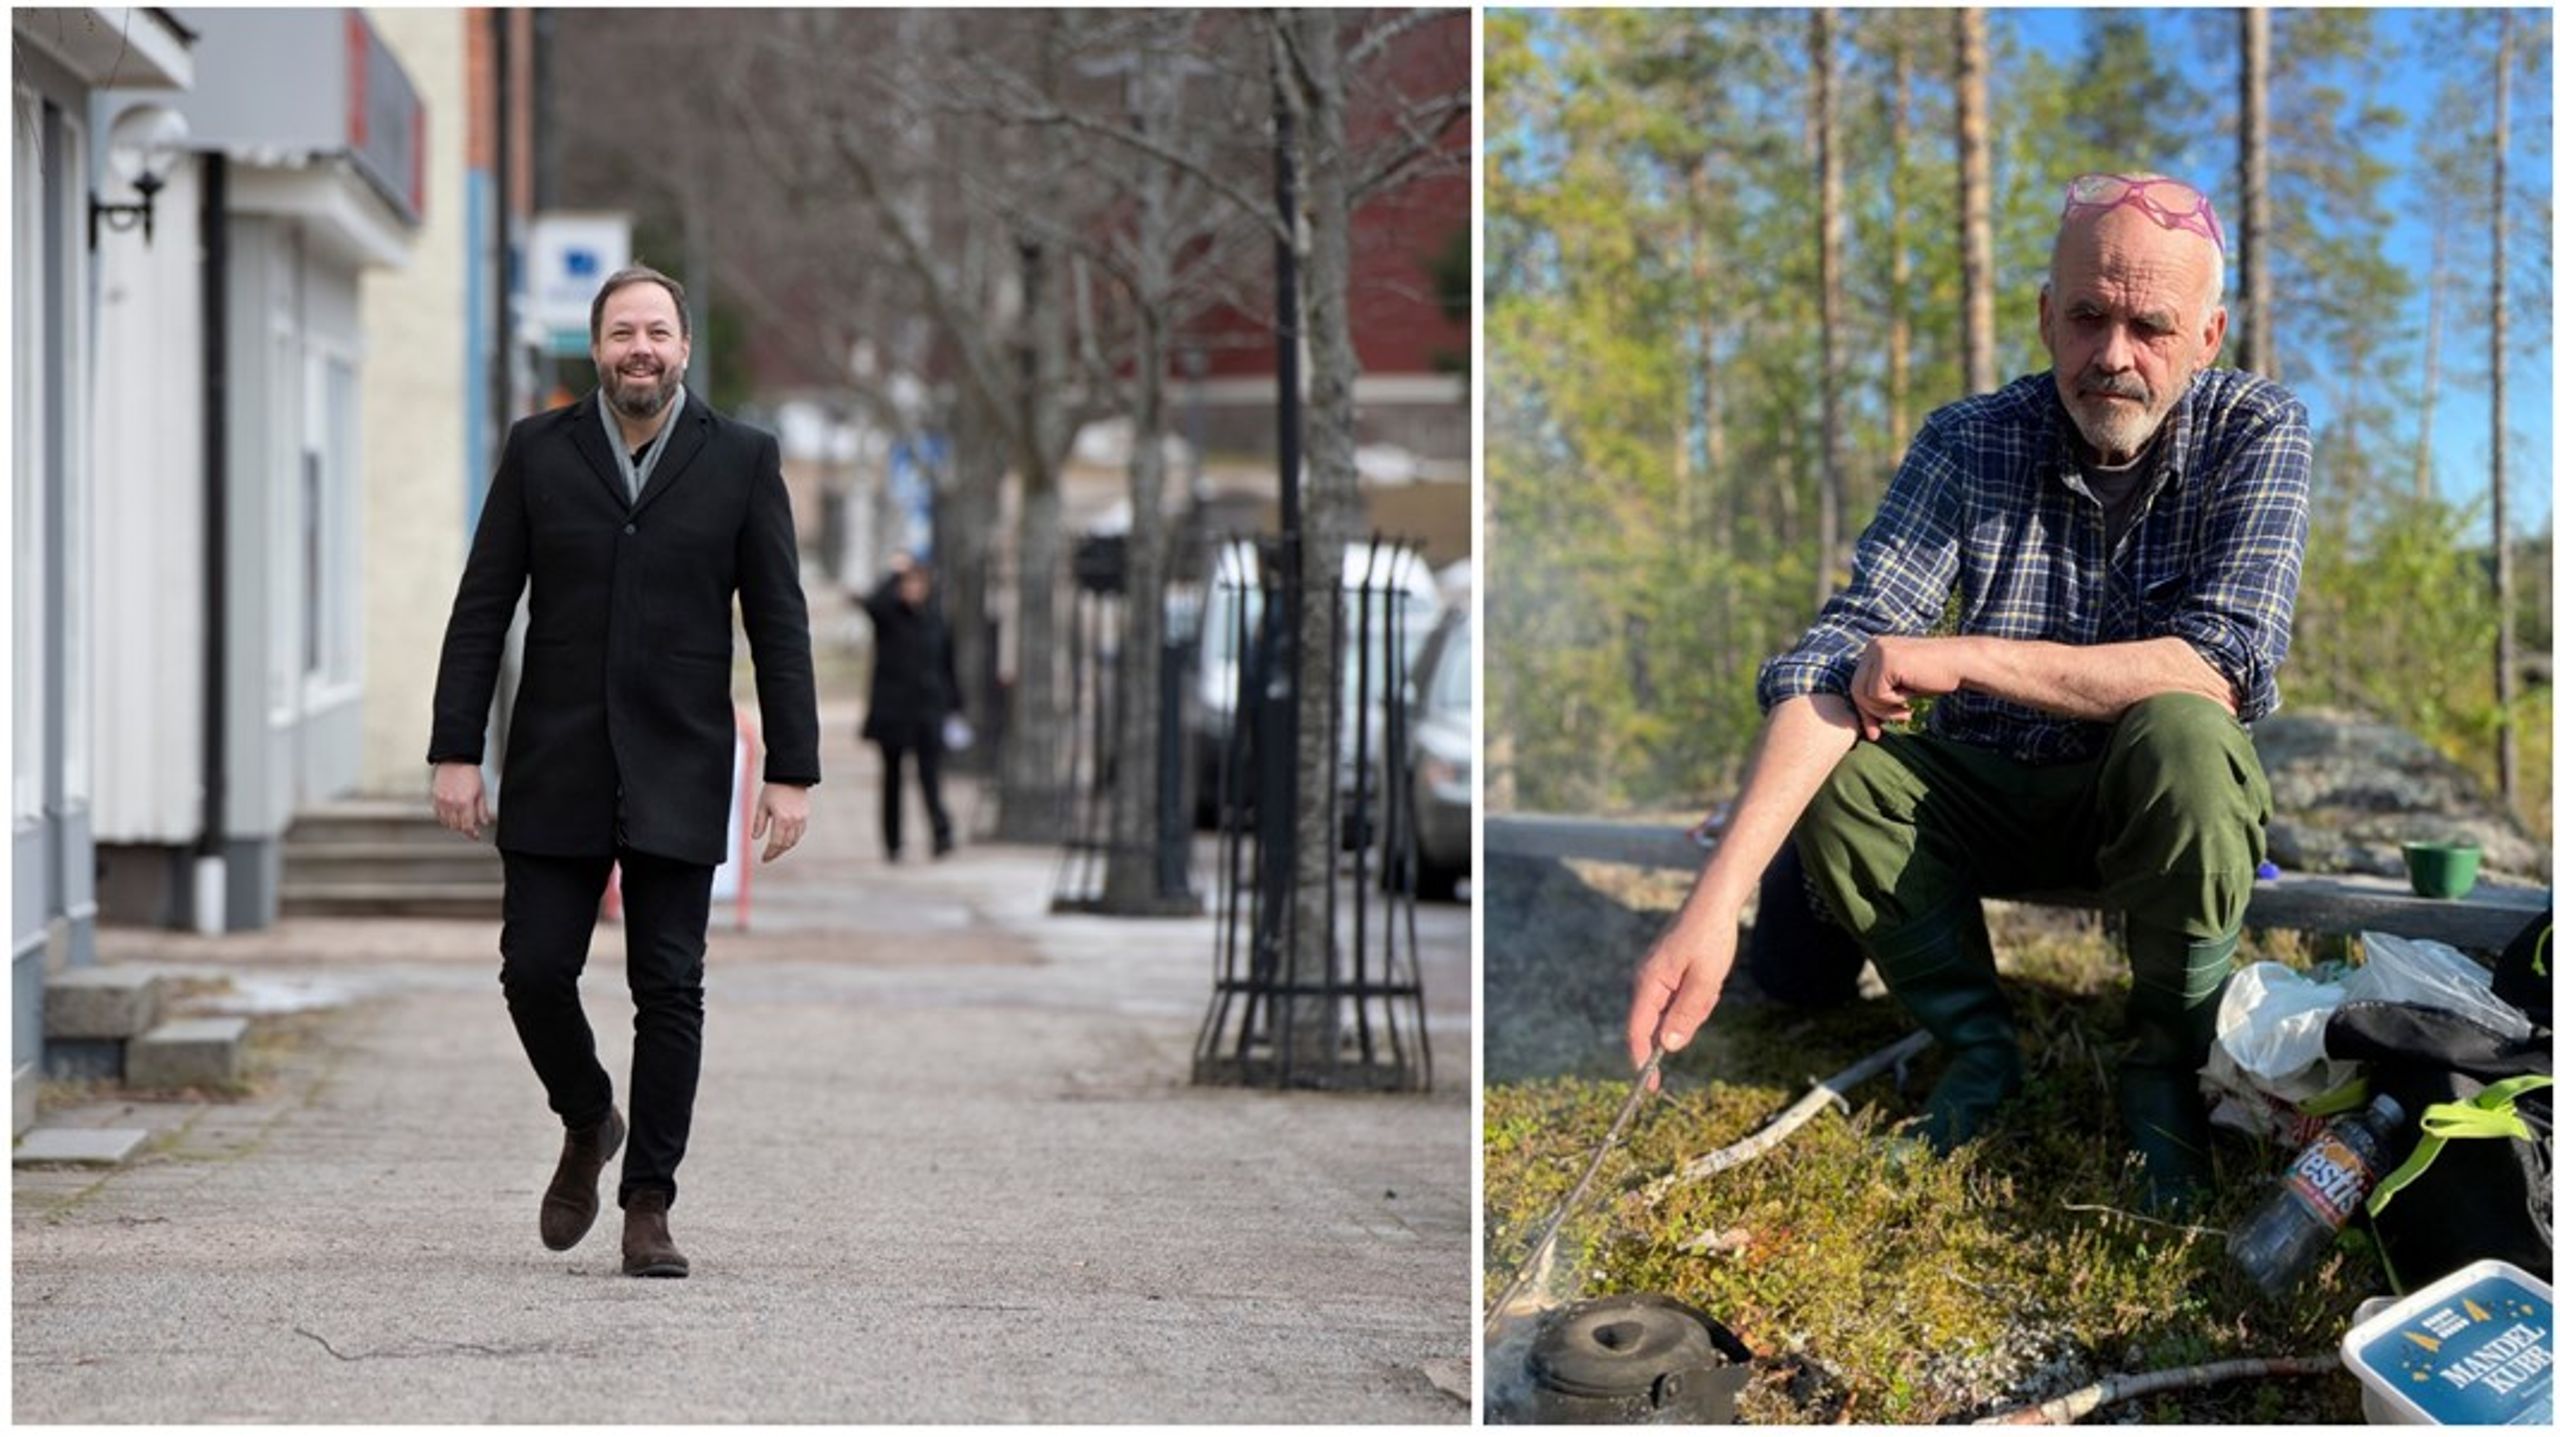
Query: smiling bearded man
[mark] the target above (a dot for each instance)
(636, 515)
(2122, 536)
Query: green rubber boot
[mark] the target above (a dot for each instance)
(2177, 989)
(1940, 968)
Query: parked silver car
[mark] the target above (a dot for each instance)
(1400, 606)
(1443, 769)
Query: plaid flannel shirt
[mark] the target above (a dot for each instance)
(1990, 505)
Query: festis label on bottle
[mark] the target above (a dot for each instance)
(2472, 1349)
(2331, 1177)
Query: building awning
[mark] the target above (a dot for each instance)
(342, 212)
(121, 48)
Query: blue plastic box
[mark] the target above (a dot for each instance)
(2472, 1348)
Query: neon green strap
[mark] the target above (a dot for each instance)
(2491, 1113)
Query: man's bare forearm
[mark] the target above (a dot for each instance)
(2097, 682)
(1804, 739)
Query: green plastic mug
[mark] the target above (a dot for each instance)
(2442, 870)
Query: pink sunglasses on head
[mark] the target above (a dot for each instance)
(2171, 204)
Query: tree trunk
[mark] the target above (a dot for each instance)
(1702, 278)
(1030, 797)
(2502, 579)
(962, 551)
(1129, 878)
(1826, 548)
(1331, 502)
(2438, 278)
(1897, 344)
(1029, 793)
(2257, 224)
(1031, 800)
(1973, 196)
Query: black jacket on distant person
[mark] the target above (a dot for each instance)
(914, 684)
(623, 726)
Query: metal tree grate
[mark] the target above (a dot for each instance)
(1092, 790)
(1340, 1007)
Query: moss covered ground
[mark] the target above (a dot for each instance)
(1908, 1291)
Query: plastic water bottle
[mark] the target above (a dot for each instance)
(2327, 1182)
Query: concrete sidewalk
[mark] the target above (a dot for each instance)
(946, 1166)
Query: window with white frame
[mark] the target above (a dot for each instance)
(328, 539)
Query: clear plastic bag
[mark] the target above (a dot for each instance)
(2428, 974)
(2269, 1030)
(2269, 1058)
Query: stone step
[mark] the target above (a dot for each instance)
(445, 859)
(414, 900)
(100, 1002)
(187, 1053)
(87, 1147)
(366, 820)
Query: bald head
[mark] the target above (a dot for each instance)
(2131, 312)
(2079, 232)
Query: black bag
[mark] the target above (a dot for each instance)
(2484, 1187)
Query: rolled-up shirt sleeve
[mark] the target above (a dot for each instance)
(2237, 612)
(1899, 582)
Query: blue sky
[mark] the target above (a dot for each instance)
(2462, 416)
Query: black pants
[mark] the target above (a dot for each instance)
(892, 792)
(550, 922)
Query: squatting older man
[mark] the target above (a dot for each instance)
(2122, 537)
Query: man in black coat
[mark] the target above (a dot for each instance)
(636, 514)
(915, 688)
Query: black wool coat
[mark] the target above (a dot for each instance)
(914, 685)
(622, 727)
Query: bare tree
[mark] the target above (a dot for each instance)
(942, 198)
(1168, 260)
(1320, 75)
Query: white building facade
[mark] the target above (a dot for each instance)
(60, 60)
(230, 590)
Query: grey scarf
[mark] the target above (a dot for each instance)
(635, 477)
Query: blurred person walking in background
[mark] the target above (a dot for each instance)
(915, 693)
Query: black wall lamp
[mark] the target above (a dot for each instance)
(140, 150)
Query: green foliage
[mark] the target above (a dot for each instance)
(1652, 344)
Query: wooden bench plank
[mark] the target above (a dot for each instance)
(2484, 920)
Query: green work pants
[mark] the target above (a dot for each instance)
(2167, 826)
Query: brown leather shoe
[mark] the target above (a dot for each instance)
(647, 1250)
(569, 1205)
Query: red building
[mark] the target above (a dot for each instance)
(1408, 243)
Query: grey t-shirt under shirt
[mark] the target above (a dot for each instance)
(2119, 489)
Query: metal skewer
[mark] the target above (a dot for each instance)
(1539, 1256)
